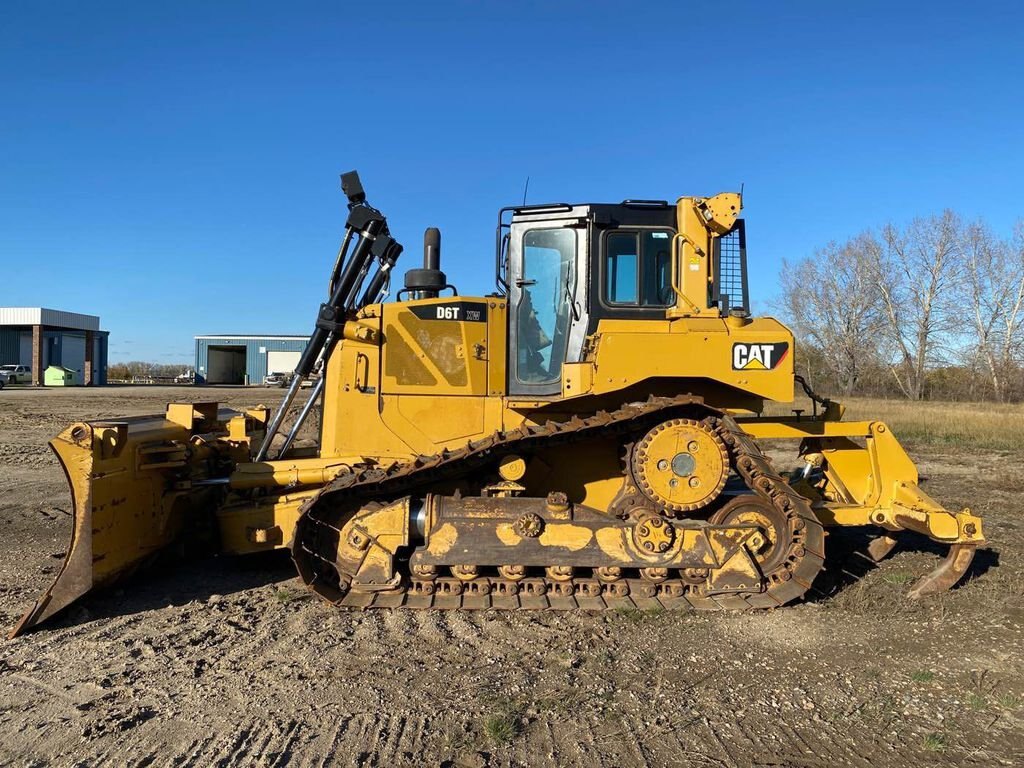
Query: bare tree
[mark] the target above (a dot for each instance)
(915, 272)
(934, 304)
(833, 304)
(142, 369)
(993, 291)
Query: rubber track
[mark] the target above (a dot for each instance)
(323, 516)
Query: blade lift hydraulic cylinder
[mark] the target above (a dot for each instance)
(368, 229)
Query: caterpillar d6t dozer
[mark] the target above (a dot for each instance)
(587, 436)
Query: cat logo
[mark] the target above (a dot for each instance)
(758, 357)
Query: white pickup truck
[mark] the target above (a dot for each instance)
(15, 374)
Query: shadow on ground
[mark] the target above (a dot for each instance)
(178, 583)
(181, 582)
(848, 562)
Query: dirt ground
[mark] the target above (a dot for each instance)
(230, 662)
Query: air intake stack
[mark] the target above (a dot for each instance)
(426, 283)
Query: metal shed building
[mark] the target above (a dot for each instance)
(40, 337)
(232, 359)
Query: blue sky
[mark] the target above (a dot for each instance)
(174, 167)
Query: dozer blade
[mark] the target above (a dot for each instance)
(75, 577)
(132, 493)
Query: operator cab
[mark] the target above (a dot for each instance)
(566, 267)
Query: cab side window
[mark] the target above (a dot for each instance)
(638, 268)
(622, 256)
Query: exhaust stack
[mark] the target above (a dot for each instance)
(427, 283)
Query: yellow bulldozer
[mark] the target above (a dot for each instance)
(586, 436)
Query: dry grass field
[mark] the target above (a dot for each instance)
(231, 662)
(988, 426)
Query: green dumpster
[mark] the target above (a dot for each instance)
(58, 376)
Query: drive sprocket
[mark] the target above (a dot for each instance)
(681, 464)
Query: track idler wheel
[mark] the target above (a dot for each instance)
(789, 552)
(770, 549)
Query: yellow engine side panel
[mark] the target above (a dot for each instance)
(435, 347)
(436, 379)
(351, 426)
(755, 357)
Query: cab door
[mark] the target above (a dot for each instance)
(547, 321)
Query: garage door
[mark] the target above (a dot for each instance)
(282, 362)
(226, 365)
